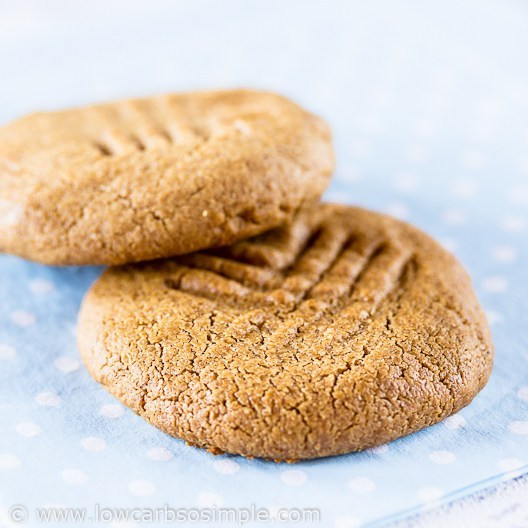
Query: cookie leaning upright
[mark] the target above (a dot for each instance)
(343, 330)
(155, 177)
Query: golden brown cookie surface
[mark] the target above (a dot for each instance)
(344, 330)
(148, 178)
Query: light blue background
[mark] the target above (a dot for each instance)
(429, 106)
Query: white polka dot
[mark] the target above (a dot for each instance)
(22, 318)
(350, 175)
(379, 450)
(361, 485)
(397, 209)
(522, 393)
(294, 477)
(510, 464)
(512, 223)
(381, 96)
(495, 284)
(449, 243)
(406, 182)
(41, 286)
(519, 194)
(425, 129)
(454, 217)
(523, 163)
(8, 461)
(481, 133)
(7, 352)
(111, 410)
(416, 154)
(48, 399)
(226, 466)
(28, 429)
(464, 188)
(66, 364)
(373, 124)
(93, 443)
(360, 148)
(445, 78)
(518, 428)
(504, 254)
(74, 476)
(442, 457)
(493, 317)
(208, 499)
(488, 107)
(430, 494)
(473, 160)
(160, 454)
(347, 521)
(141, 488)
(455, 422)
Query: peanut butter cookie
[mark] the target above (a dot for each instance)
(340, 331)
(149, 178)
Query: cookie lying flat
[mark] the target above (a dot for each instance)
(341, 331)
(149, 178)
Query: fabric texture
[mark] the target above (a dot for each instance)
(429, 118)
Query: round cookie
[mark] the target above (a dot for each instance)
(341, 331)
(155, 177)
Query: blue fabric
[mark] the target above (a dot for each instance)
(429, 114)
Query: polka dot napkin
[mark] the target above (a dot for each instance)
(429, 116)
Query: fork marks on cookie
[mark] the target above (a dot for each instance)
(345, 270)
(140, 125)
